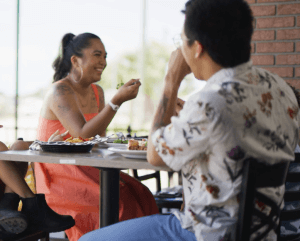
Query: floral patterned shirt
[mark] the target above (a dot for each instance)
(241, 112)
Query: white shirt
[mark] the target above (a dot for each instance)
(241, 112)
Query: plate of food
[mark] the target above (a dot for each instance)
(113, 143)
(67, 148)
(70, 145)
(135, 149)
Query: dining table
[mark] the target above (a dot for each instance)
(109, 164)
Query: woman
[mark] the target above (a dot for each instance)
(35, 215)
(76, 104)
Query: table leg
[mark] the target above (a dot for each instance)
(109, 196)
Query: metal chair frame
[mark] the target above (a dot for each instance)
(257, 175)
(287, 215)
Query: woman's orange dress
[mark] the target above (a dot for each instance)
(74, 190)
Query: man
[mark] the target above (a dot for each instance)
(242, 112)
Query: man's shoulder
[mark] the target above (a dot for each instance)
(267, 74)
(206, 94)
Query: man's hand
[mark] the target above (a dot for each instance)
(57, 137)
(177, 67)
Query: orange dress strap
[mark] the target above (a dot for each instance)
(96, 94)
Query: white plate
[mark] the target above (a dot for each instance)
(116, 145)
(107, 145)
(129, 153)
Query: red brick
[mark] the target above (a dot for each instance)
(263, 10)
(252, 48)
(288, 34)
(298, 21)
(288, 59)
(280, 47)
(275, 22)
(254, 23)
(262, 59)
(282, 71)
(288, 9)
(270, 1)
(250, 1)
(294, 82)
(298, 47)
(263, 35)
(297, 72)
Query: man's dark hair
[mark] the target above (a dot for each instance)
(223, 27)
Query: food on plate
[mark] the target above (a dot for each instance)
(133, 145)
(78, 139)
(120, 85)
(120, 141)
(137, 145)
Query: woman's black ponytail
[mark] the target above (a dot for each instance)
(61, 64)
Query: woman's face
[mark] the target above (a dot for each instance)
(93, 61)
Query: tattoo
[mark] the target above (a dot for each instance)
(94, 102)
(64, 108)
(160, 120)
(63, 89)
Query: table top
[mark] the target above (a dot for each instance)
(96, 158)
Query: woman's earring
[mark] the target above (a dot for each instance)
(81, 72)
(72, 76)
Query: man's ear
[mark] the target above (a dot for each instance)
(198, 48)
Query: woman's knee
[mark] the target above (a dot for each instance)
(3, 147)
(19, 145)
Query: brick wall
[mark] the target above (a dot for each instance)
(276, 37)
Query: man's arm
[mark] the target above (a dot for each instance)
(177, 70)
(162, 118)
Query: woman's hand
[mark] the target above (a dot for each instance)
(127, 92)
(57, 137)
(1, 126)
(178, 106)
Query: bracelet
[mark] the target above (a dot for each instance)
(113, 106)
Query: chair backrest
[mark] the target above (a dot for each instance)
(258, 175)
(291, 196)
(155, 175)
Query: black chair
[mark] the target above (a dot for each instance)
(257, 175)
(290, 196)
(34, 236)
(161, 201)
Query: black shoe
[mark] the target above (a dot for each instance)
(13, 222)
(41, 217)
(10, 201)
(5, 236)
